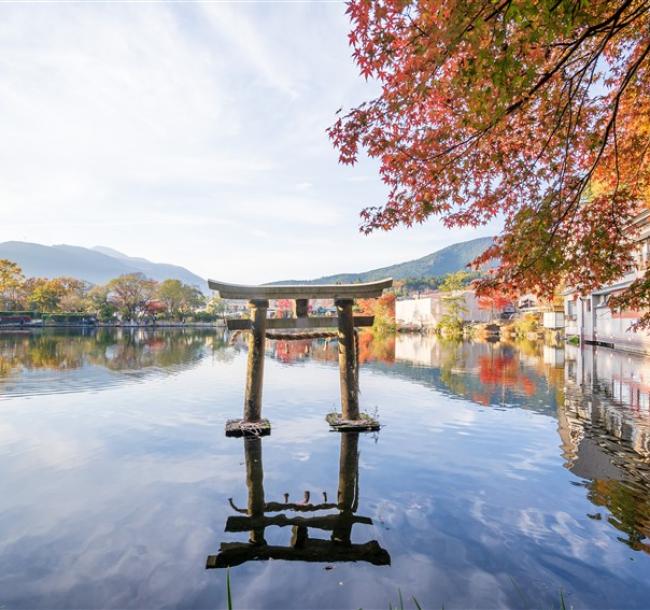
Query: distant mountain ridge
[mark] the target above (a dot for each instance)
(447, 260)
(96, 265)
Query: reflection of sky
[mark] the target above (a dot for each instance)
(118, 496)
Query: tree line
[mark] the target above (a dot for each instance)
(131, 296)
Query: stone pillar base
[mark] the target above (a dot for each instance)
(240, 427)
(365, 423)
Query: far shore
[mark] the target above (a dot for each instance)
(217, 324)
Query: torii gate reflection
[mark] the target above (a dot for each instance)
(302, 547)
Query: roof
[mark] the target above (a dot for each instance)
(613, 288)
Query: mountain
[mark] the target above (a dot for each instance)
(96, 265)
(157, 271)
(448, 260)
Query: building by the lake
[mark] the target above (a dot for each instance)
(427, 310)
(590, 318)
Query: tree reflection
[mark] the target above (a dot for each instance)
(113, 349)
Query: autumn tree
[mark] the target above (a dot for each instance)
(534, 111)
(131, 293)
(56, 294)
(43, 294)
(11, 282)
(75, 294)
(494, 302)
(284, 307)
(383, 308)
(100, 303)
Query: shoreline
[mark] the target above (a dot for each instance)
(101, 325)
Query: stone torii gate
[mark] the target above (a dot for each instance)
(258, 297)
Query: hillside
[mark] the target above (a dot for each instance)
(96, 265)
(448, 260)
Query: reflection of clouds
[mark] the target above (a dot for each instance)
(388, 514)
(8, 434)
(42, 447)
(135, 497)
(412, 511)
(532, 522)
(300, 431)
(301, 456)
(121, 528)
(131, 560)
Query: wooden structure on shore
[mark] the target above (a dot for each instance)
(258, 297)
(302, 547)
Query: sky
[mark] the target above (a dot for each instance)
(191, 133)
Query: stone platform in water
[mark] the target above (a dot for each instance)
(239, 427)
(365, 423)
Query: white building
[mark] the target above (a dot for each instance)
(590, 317)
(427, 310)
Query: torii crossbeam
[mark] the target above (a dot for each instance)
(258, 298)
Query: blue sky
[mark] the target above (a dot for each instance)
(190, 133)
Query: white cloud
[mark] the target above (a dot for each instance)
(189, 133)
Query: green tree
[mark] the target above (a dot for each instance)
(179, 299)
(216, 306)
(455, 281)
(453, 300)
(99, 302)
(193, 299)
(170, 294)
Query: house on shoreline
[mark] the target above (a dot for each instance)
(589, 316)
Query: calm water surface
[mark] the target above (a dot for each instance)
(503, 474)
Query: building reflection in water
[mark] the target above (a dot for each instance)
(261, 514)
(605, 429)
(601, 398)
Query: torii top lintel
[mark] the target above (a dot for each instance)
(301, 291)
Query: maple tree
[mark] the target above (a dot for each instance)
(533, 111)
(494, 302)
(383, 308)
(284, 307)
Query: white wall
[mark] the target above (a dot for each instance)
(428, 310)
(596, 322)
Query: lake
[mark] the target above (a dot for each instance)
(503, 475)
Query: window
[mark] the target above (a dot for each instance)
(571, 310)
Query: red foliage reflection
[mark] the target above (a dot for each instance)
(504, 370)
